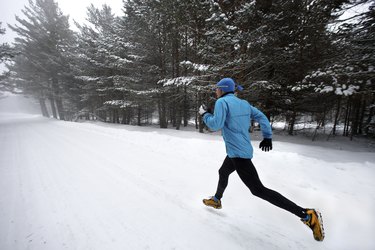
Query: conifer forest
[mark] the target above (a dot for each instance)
(297, 61)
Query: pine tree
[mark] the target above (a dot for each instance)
(148, 25)
(6, 53)
(164, 55)
(104, 60)
(43, 39)
(348, 78)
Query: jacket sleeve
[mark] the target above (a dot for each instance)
(216, 121)
(265, 126)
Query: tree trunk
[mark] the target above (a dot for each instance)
(186, 104)
(200, 120)
(186, 107)
(123, 118)
(43, 107)
(162, 111)
(355, 119)
(347, 117)
(162, 106)
(60, 108)
(59, 103)
(117, 115)
(172, 114)
(113, 119)
(179, 111)
(362, 116)
(291, 123)
(200, 123)
(336, 115)
(371, 114)
(139, 116)
(53, 107)
(178, 116)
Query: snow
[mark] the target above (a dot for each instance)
(326, 89)
(195, 66)
(66, 185)
(351, 90)
(178, 81)
(87, 78)
(338, 91)
(120, 103)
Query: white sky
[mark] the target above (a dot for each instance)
(76, 9)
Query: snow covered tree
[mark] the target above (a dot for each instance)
(43, 39)
(269, 46)
(164, 55)
(104, 61)
(6, 51)
(147, 25)
(303, 46)
(345, 82)
(348, 78)
(138, 25)
(163, 35)
(353, 72)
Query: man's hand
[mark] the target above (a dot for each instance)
(266, 144)
(202, 110)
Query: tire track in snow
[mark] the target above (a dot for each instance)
(111, 169)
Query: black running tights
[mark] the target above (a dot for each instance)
(249, 176)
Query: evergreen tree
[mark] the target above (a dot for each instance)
(104, 59)
(154, 32)
(269, 46)
(348, 78)
(6, 53)
(43, 39)
(165, 55)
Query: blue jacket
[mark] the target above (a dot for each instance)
(233, 116)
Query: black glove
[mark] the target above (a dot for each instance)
(266, 144)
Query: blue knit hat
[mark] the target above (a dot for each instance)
(228, 85)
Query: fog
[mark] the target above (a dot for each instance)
(10, 103)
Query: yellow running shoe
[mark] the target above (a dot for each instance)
(212, 202)
(315, 222)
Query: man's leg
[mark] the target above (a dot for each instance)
(225, 170)
(249, 176)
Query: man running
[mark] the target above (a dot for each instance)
(233, 116)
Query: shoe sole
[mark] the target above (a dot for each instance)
(320, 219)
(208, 205)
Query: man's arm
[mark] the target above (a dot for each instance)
(216, 121)
(258, 116)
(263, 121)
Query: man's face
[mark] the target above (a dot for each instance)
(219, 92)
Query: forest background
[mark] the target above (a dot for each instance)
(298, 61)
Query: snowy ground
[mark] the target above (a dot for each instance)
(66, 185)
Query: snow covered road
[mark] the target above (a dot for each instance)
(67, 185)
